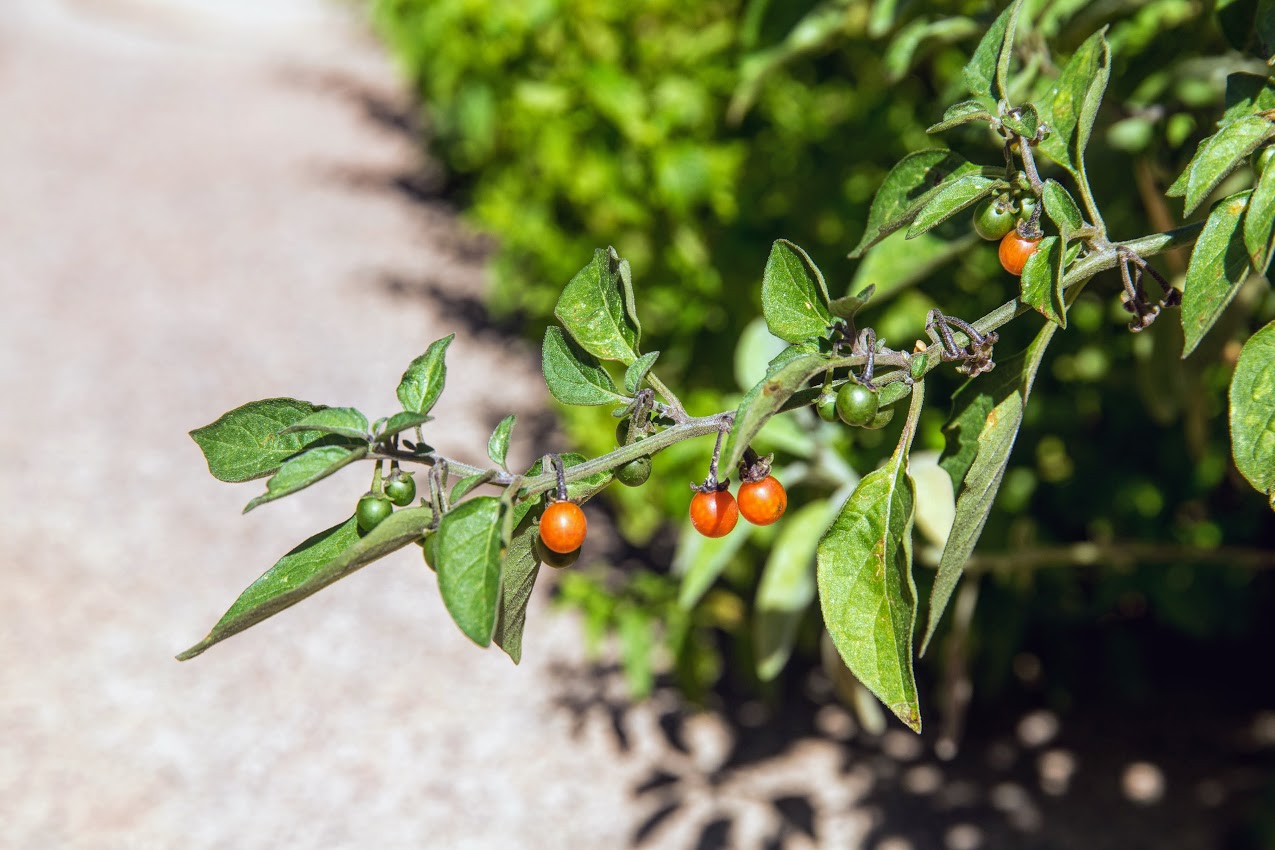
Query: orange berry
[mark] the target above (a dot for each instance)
(562, 527)
(714, 514)
(762, 502)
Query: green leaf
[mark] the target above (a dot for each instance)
(986, 72)
(1062, 209)
(848, 306)
(794, 297)
(1219, 264)
(1042, 281)
(636, 373)
(245, 443)
(573, 375)
(699, 560)
(962, 113)
(341, 421)
(498, 442)
(951, 199)
(764, 400)
(1259, 220)
(517, 580)
(1247, 94)
(865, 581)
(1253, 411)
(305, 469)
(906, 189)
(593, 309)
(1072, 103)
(400, 422)
(469, 484)
(469, 566)
(787, 587)
(626, 286)
(423, 381)
(1222, 153)
(313, 565)
(1025, 123)
(986, 415)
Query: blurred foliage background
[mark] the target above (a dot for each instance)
(691, 134)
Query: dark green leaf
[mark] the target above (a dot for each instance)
(986, 415)
(1222, 153)
(400, 422)
(341, 421)
(1042, 281)
(423, 381)
(865, 581)
(962, 113)
(517, 579)
(1219, 264)
(305, 469)
(951, 199)
(1247, 94)
(1237, 20)
(636, 373)
(906, 189)
(1062, 209)
(1253, 411)
(794, 297)
(313, 565)
(573, 375)
(1259, 219)
(245, 443)
(498, 442)
(764, 401)
(469, 566)
(787, 588)
(1072, 102)
(988, 68)
(593, 309)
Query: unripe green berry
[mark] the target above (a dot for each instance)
(856, 404)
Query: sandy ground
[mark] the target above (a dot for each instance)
(182, 229)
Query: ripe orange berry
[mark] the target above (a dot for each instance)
(562, 527)
(714, 514)
(1015, 250)
(762, 502)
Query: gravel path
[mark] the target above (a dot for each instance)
(182, 229)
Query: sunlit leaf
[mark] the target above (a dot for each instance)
(951, 199)
(423, 381)
(636, 373)
(1042, 281)
(469, 562)
(573, 375)
(906, 189)
(1259, 220)
(1072, 103)
(987, 71)
(794, 297)
(247, 443)
(594, 311)
(866, 591)
(305, 469)
(1219, 264)
(986, 414)
(1252, 398)
(1222, 153)
(765, 399)
(340, 421)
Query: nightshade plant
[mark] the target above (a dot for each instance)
(484, 543)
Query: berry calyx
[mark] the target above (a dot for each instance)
(563, 527)
(1015, 250)
(372, 511)
(762, 502)
(856, 404)
(715, 513)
